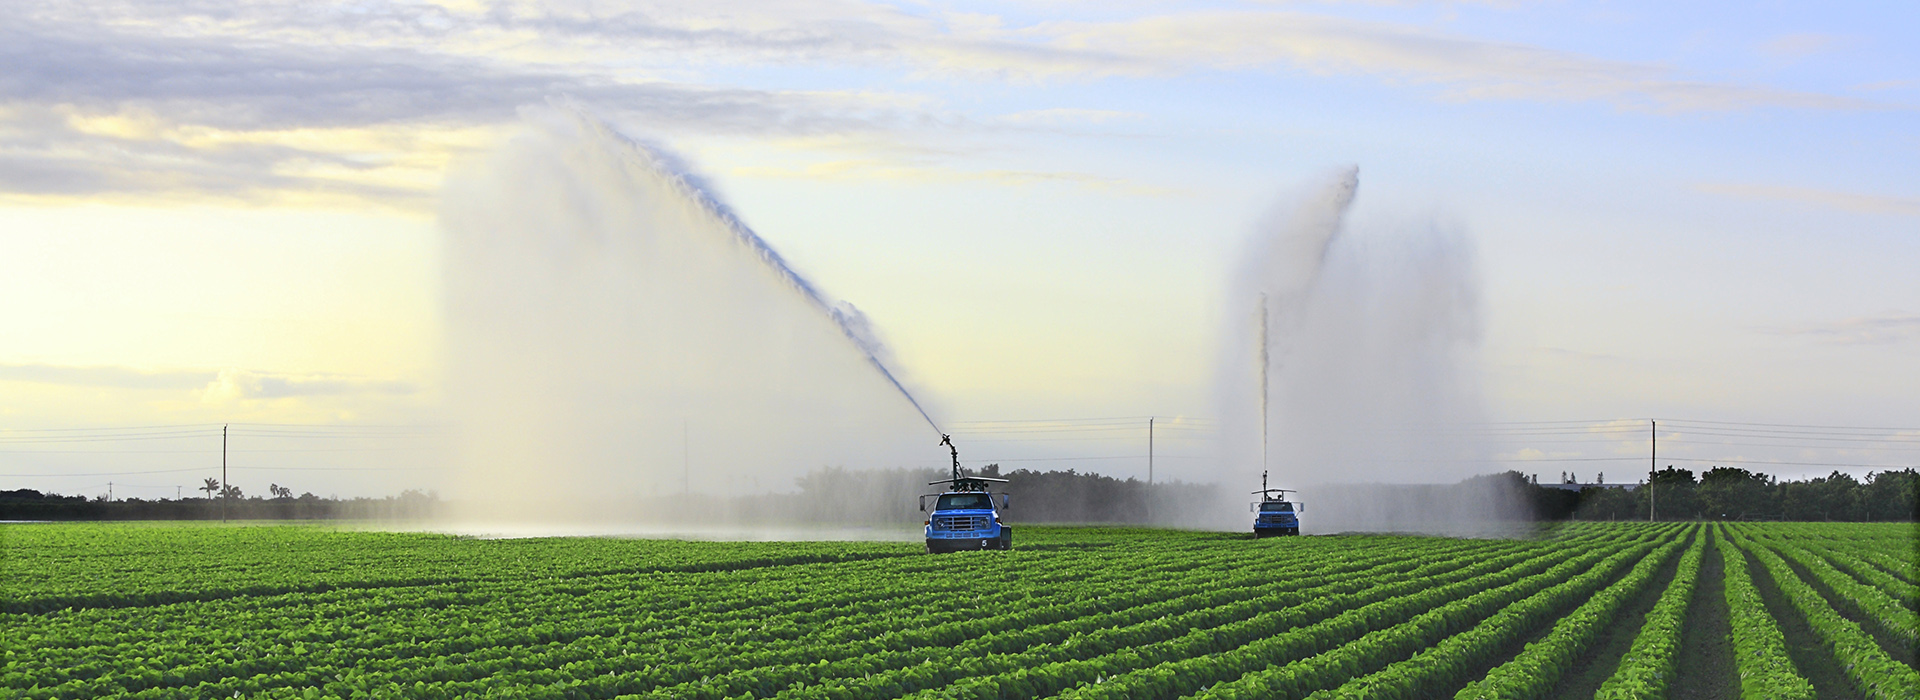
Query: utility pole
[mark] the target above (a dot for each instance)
(109, 492)
(1653, 455)
(1149, 469)
(176, 493)
(225, 488)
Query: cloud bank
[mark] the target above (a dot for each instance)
(163, 73)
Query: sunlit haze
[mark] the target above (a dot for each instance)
(1056, 221)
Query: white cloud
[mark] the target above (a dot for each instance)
(213, 387)
(114, 377)
(155, 99)
(236, 384)
(1060, 116)
(1885, 329)
(1467, 68)
(882, 170)
(1845, 201)
(1801, 45)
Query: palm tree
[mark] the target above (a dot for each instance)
(212, 486)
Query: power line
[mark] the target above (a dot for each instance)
(1831, 448)
(1074, 420)
(108, 451)
(429, 426)
(1803, 436)
(1077, 459)
(336, 469)
(113, 428)
(1795, 464)
(36, 441)
(1788, 425)
(1142, 435)
(212, 450)
(1505, 460)
(1472, 430)
(150, 471)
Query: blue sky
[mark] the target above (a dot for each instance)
(217, 211)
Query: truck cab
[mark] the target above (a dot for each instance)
(1275, 518)
(1274, 514)
(966, 515)
(967, 519)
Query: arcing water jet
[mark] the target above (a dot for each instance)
(600, 300)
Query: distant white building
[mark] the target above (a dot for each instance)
(1577, 487)
(1569, 482)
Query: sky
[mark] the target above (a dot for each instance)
(220, 213)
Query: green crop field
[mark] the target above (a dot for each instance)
(1584, 610)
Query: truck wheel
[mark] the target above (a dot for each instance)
(1006, 539)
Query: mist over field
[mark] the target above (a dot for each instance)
(616, 336)
(1349, 347)
(622, 348)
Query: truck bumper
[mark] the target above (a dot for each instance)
(1003, 540)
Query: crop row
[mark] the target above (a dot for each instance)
(1760, 649)
(1016, 646)
(1449, 662)
(1874, 674)
(1124, 661)
(1098, 617)
(1875, 544)
(1416, 625)
(418, 662)
(1902, 592)
(1865, 559)
(1649, 666)
(279, 560)
(1004, 632)
(477, 630)
(1536, 670)
(1871, 603)
(593, 641)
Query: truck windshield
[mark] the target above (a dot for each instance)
(962, 501)
(1281, 507)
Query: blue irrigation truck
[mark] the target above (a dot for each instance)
(966, 515)
(1275, 514)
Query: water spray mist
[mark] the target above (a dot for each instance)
(605, 308)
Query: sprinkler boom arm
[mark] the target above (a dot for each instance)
(959, 482)
(1262, 493)
(947, 440)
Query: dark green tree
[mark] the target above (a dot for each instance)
(1890, 495)
(1729, 493)
(1675, 494)
(1836, 496)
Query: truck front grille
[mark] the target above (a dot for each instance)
(962, 523)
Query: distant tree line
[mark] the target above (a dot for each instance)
(834, 495)
(1729, 493)
(1074, 497)
(840, 496)
(28, 504)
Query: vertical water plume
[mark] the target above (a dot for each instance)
(1365, 345)
(1264, 363)
(615, 331)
